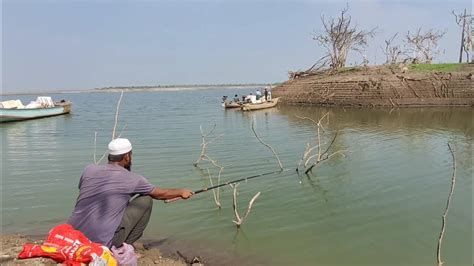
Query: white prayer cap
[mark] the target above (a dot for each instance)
(119, 146)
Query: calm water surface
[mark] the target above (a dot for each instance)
(380, 205)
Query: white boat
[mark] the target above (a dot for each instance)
(257, 106)
(41, 108)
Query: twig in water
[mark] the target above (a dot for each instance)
(204, 157)
(116, 115)
(95, 146)
(268, 146)
(239, 220)
(113, 131)
(105, 153)
(448, 202)
(214, 192)
(321, 155)
(204, 144)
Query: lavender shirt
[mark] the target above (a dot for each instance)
(104, 192)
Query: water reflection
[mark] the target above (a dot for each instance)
(22, 138)
(459, 119)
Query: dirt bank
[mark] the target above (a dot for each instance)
(385, 86)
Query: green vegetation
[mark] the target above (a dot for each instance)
(436, 67)
(346, 69)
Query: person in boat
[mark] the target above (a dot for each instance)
(236, 99)
(265, 92)
(248, 98)
(224, 98)
(258, 94)
(114, 204)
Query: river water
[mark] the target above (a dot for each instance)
(381, 204)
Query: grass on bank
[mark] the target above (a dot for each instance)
(450, 67)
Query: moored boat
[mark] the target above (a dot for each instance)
(257, 106)
(41, 110)
(232, 105)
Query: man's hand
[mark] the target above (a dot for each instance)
(171, 193)
(186, 193)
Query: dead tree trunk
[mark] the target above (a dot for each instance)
(462, 38)
(465, 22)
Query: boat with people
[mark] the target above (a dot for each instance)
(232, 104)
(258, 106)
(44, 106)
(235, 103)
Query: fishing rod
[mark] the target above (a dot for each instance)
(228, 183)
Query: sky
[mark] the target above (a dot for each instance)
(51, 45)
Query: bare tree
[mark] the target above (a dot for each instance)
(423, 46)
(339, 37)
(465, 22)
(391, 51)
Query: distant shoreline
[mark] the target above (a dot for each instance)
(159, 88)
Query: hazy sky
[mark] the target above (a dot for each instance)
(69, 45)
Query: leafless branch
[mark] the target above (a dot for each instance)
(101, 157)
(105, 153)
(392, 52)
(205, 142)
(121, 131)
(95, 146)
(116, 115)
(204, 157)
(320, 65)
(320, 156)
(423, 46)
(448, 202)
(113, 132)
(215, 192)
(267, 145)
(238, 220)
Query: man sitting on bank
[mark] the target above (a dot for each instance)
(104, 211)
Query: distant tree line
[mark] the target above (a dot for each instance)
(187, 86)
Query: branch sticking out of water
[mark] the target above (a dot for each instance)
(240, 220)
(95, 146)
(204, 157)
(116, 115)
(204, 144)
(113, 131)
(105, 152)
(216, 192)
(448, 202)
(315, 159)
(267, 145)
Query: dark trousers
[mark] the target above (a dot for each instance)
(135, 219)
